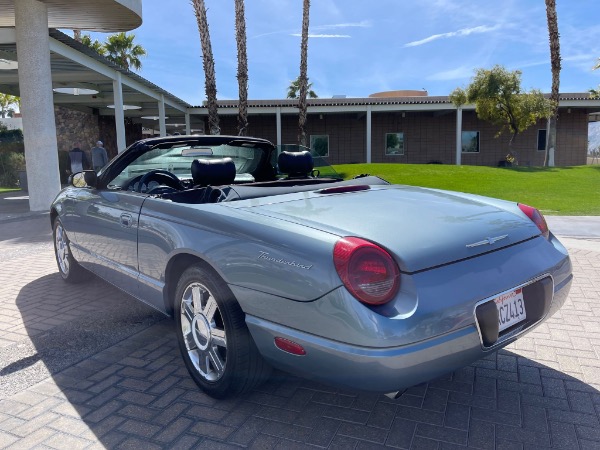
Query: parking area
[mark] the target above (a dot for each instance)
(85, 366)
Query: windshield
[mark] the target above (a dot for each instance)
(322, 169)
(178, 160)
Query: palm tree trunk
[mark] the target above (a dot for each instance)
(242, 72)
(302, 107)
(554, 97)
(208, 64)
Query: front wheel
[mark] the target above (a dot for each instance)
(215, 343)
(69, 269)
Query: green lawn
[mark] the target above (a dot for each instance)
(566, 191)
(2, 189)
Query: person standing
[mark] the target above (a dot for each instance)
(78, 159)
(99, 156)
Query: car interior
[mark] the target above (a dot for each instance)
(213, 180)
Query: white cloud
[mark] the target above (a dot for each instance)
(361, 24)
(462, 32)
(333, 26)
(328, 36)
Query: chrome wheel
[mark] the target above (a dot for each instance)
(62, 249)
(203, 331)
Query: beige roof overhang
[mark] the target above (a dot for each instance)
(95, 15)
(580, 100)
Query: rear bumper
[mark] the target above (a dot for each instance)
(382, 369)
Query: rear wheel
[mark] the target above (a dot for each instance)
(69, 269)
(213, 338)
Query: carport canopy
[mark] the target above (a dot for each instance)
(90, 79)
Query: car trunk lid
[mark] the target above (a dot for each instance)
(422, 228)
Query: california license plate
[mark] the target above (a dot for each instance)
(511, 309)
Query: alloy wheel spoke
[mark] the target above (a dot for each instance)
(203, 364)
(196, 299)
(218, 337)
(217, 362)
(187, 311)
(210, 309)
(190, 343)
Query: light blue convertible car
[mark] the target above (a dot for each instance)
(266, 258)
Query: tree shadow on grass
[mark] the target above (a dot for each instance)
(100, 367)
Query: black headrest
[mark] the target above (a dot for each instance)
(295, 163)
(213, 172)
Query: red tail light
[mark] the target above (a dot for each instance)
(537, 218)
(368, 271)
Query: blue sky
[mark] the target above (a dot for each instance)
(360, 47)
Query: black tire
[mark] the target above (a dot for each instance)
(214, 340)
(69, 269)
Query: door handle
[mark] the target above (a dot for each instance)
(126, 220)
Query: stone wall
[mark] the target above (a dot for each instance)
(86, 129)
(75, 127)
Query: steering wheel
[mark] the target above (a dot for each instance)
(162, 176)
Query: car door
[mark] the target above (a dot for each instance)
(107, 234)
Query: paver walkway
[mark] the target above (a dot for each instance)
(86, 366)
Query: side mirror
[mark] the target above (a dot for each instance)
(90, 178)
(87, 178)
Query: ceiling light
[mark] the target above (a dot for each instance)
(75, 91)
(151, 117)
(125, 107)
(7, 64)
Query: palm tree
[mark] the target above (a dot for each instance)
(554, 96)
(595, 93)
(121, 50)
(302, 107)
(95, 44)
(208, 63)
(242, 72)
(6, 101)
(294, 89)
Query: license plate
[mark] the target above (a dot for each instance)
(511, 309)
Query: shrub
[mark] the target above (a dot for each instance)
(9, 136)
(10, 164)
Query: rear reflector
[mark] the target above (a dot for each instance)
(289, 346)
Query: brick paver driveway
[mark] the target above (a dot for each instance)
(86, 366)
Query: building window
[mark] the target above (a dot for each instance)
(470, 142)
(319, 144)
(541, 144)
(394, 144)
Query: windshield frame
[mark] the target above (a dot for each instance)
(133, 152)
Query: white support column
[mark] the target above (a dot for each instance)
(369, 134)
(278, 124)
(119, 114)
(35, 86)
(188, 127)
(161, 116)
(458, 135)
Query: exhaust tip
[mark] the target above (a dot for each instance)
(395, 395)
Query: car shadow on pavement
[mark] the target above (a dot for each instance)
(96, 366)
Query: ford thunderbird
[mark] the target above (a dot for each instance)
(265, 258)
